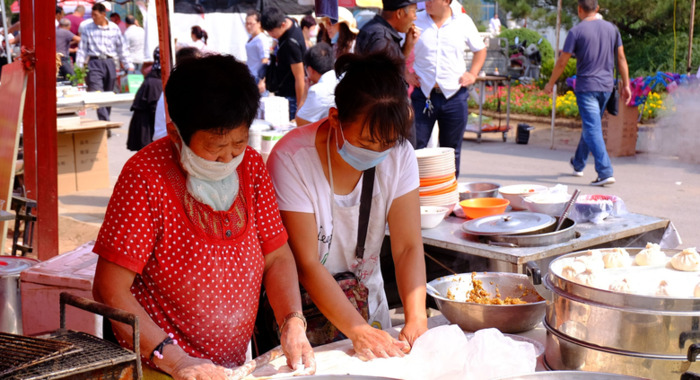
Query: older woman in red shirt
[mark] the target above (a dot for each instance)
(192, 230)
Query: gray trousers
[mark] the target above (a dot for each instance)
(101, 76)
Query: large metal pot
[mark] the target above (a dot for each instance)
(570, 375)
(594, 329)
(565, 353)
(10, 302)
(506, 318)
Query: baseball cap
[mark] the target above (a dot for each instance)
(392, 5)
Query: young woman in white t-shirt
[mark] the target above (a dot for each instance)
(368, 129)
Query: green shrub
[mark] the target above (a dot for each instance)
(530, 36)
(569, 71)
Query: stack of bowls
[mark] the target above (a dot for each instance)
(438, 185)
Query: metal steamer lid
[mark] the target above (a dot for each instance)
(14, 265)
(510, 223)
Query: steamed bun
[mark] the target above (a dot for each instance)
(651, 255)
(663, 289)
(688, 260)
(570, 271)
(622, 286)
(587, 277)
(592, 260)
(696, 293)
(616, 258)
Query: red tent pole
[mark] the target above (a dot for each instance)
(39, 34)
(26, 17)
(47, 150)
(164, 39)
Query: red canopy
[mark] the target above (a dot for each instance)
(14, 7)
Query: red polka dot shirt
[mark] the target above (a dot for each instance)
(198, 271)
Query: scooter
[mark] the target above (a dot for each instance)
(526, 60)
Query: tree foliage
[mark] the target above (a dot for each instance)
(646, 27)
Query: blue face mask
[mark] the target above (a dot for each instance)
(359, 158)
(334, 39)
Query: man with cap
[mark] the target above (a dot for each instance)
(440, 78)
(382, 32)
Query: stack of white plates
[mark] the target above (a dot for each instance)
(438, 185)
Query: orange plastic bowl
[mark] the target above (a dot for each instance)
(479, 207)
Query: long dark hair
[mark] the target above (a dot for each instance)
(372, 91)
(345, 40)
(200, 33)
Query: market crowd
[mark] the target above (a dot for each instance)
(199, 223)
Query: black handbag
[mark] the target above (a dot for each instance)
(613, 105)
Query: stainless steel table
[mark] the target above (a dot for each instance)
(630, 230)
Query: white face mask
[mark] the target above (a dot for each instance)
(210, 182)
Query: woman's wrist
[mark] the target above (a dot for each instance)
(171, 356)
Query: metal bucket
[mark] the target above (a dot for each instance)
(10, 301)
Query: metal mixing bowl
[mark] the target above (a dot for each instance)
(506, 318)
(471, 190)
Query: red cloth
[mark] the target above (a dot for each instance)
(199, 271)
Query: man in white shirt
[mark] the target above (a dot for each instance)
(440, 77)
(319, 68)
(495, 25)
(135, 38)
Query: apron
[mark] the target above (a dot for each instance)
(342, 248)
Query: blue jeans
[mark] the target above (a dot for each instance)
(451, 115)
(591, 106)
(292, 106)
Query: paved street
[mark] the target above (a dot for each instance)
(648, 183)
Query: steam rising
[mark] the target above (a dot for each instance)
(677, 131)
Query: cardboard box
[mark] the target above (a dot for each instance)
(91, 162)
(67, 180)
(42, 284)
(620, 132)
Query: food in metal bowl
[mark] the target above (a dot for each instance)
(471, 316)
(613, 269)
(477, 294)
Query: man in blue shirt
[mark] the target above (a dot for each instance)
(596, 44)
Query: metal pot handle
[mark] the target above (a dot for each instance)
(693, 352)
(690, 376)
(533, 271)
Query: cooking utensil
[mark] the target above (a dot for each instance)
(567, 233)
(10, 302)
(565, 353)
(639, 325)
(507, 318)
(567, 209)
(570, 375)
(439, 263)
(510, 223)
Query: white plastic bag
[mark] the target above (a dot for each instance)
(595, 208)
(490, 354)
